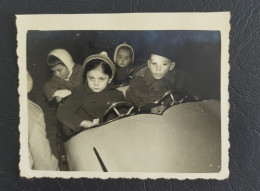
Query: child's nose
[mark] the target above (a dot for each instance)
(158, 68)
(96, 83)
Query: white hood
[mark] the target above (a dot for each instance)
(123, 45)
(64, 56)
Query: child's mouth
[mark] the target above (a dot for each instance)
(96, 89)
(157, 76)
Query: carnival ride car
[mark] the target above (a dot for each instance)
(167, 136)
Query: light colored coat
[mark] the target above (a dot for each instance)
(40, 155)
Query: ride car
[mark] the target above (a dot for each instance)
(177, 134)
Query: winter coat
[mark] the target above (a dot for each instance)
(55, 83)
(122, 75)
(144, 89)
(40, 154)
(84, 104)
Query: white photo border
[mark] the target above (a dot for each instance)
(142, 21)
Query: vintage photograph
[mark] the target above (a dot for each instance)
(122, 100)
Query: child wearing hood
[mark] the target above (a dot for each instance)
(123, 58)
(88, 102)
(66, 75)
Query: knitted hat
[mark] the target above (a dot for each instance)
(64, 56)
(162, 48)
(120, 46)
(101, 56)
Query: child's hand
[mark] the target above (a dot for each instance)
(62, 93)
(58, 99)
(158, 109)
(96, 121)
(87, 124)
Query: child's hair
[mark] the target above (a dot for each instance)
(54, 61)
(128, 49)
(95, 63)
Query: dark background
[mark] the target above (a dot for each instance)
(244, 93)
(195, 52)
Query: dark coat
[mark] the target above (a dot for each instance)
(55, 83)
(121, 75)
(144, 89)
(84, 104)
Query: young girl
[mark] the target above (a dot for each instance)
(88, 102)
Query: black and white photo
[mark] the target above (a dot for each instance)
(144, 99)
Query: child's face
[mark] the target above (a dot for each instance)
(123, 58)
(60, 71)
(159, 66)
(97, 80)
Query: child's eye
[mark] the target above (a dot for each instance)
(102, 79)
(90, 78)
(153, 63)
(165, 64)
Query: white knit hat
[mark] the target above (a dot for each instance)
(101, 56)
(64, 56)
(123, 45)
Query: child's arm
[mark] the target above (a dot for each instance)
(132, 96)
(49, 89)
(60, 94)
(119, 96)
(67, 112)
(53, 90)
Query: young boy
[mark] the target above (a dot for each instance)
(153, 81)
(66, 75)
(123, 58)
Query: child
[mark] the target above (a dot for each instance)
(153, 81)
(123, 57)
(66, 75)
(88, 102)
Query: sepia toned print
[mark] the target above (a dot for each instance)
(147, 99)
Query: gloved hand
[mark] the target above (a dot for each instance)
(87, 124)
(158, 109)
(62, 93)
